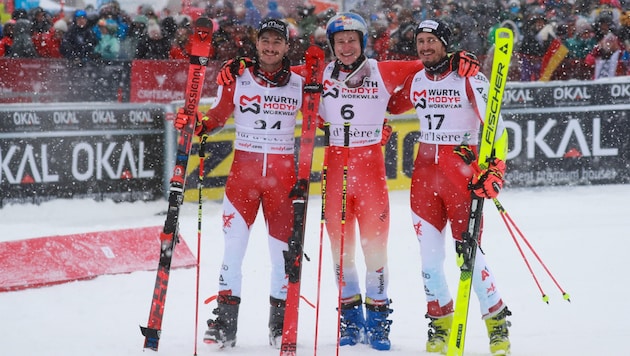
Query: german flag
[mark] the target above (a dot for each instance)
(552, 59)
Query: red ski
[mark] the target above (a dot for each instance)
(293, 257)
(201, 45)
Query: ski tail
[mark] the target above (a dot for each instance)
(466, 248)
(293, 257)
(201, 41)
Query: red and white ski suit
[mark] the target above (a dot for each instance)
(262, 172)
(367, 203)
(450, 109)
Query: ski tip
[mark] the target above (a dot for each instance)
(504, 33)
(203, 22)
(314, 51)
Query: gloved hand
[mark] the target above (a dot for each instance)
(489, 182)
(387, 132)
(299, 190)
(232, 69)
(465, 63)
(466, 153)
(319, 121)
(203, 125)
(181, 120)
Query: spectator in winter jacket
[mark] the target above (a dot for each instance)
(136, 33)
(109, 45)
(6, 42)
(41, 21)
(79, 42)
(252, 15)
(154, 45)
(23, 46)
(179, 46)
(608, 58)
(583, 41)
(537, 36)
(50, 44)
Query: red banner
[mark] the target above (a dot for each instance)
(165, 81)
(33, 80)
(51, 260)
(56, 81)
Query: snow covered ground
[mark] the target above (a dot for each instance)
(579, 232)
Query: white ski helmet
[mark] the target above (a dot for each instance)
(346, 21)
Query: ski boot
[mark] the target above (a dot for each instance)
(276, 321)
(439, 331)
(377, 325)
(498, 332)
(352, 326)
(222, 330)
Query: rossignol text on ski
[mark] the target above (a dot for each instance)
(201, 41)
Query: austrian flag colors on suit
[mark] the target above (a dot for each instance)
(259, 110)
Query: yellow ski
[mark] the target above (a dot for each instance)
(467, 248)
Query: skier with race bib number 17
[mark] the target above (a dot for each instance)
(451, 110)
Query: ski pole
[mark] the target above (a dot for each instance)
(202, 154)
(507, 219)
(326, 129)
(344, 203)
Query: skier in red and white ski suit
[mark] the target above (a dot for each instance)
(451, 110)
(265, 101)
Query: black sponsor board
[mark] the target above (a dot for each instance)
(89, 150)
(568, 132)
(568, 146)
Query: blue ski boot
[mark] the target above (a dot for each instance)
(377, 326)
(352, 327)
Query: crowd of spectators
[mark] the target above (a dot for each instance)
(594, 34)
